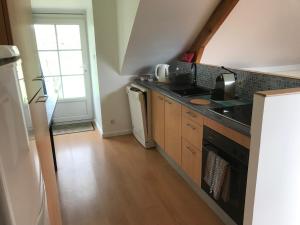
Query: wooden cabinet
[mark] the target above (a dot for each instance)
(192, 115)
(158, 118)
(192, 132)
(173, 129)
(179, 131)
(191, 161)
(192, 135)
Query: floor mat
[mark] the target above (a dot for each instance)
(72, 128)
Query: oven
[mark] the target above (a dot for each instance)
(224, 173)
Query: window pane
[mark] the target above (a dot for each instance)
(53, 85)
(73, 86)
(68, 36)
(45, 37)
(49, 63)
(71, 62)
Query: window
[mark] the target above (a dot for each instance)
(60, 53)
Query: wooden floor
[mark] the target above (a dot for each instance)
(116, 182)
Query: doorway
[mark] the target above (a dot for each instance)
(63, 53)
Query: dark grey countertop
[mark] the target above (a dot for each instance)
(204, 110)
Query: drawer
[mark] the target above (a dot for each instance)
(192, 115)
(157, 95)
(192, 132)
(191, 161)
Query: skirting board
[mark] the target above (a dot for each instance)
(98, 127)
(111, 134)
(214, 207)
(115, 133)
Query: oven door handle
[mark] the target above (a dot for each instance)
(209, 147)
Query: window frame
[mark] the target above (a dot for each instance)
(69, 19)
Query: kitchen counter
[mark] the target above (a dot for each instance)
(204, 110)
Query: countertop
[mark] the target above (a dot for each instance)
(204, 110)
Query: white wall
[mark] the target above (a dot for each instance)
(126, 12)
(164, 29)
(273, 195)
(257, 33)
(93, 65)
(114, 101)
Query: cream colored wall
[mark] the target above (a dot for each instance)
(114, 101)
(257, 33)
(23, 37)
(126, 12)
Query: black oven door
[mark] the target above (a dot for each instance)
(234, 204)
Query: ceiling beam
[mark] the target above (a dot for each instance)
(211, 27)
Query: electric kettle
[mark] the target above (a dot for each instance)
(162, 73)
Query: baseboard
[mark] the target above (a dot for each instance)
(98, 127)
(115, 133)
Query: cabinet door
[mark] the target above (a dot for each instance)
(173, 130)
(158, 118)
(191, 161)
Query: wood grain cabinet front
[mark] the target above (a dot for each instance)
(192, 132)
(192, 135)
(158, 118)
(173, 129)
(191, 161)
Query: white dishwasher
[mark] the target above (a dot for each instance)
(140, 109)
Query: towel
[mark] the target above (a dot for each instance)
(226, 185)
(220, 171)
(217, 176)
(209, 168)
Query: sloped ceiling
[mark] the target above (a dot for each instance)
(126, 12)
(162, 30)
(257, 33)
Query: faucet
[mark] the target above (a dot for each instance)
(194, 71)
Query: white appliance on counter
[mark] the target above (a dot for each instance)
(140, 109)
(22, 193)
(162, 73)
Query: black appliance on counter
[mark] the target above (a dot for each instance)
(237, 158)
(225, 86)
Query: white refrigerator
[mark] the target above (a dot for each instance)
(22, 192)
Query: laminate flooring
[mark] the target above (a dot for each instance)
(116, 182)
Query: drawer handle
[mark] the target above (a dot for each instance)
(170, 103)
(191, 150)
(191, 114)
(39, 78)
(191, 126)
(160, 98)
(42, 99)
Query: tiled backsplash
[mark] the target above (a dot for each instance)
(248, 83)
